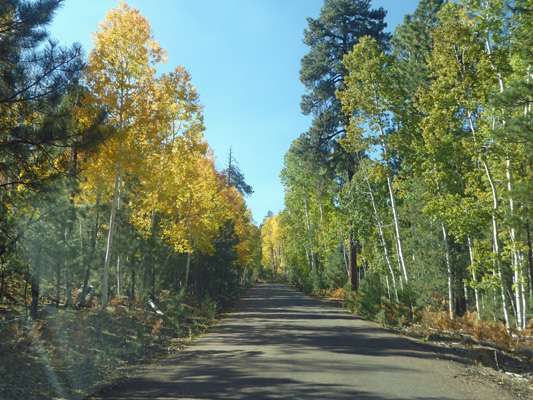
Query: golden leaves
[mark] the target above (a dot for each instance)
(167, 172)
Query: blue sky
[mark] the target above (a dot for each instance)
(244, 59)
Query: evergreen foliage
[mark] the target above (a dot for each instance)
(235, 177)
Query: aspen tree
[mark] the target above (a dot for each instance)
(457, 99)
(119, 75)
(368, 94)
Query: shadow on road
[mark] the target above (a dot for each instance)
(280, 344)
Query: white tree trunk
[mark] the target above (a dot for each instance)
(345, 256)
(119, 288)
(449, 269)
(187, 269)
(476, 293)
(322, 225)
(496, 240)
(111, 233)
(495, 230)
(517, 267)
(382, 235)
(313, 263)
(394, 213)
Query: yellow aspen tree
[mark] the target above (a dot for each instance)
(173, 145)
(119, 77)
(187, 195)
(272, 244)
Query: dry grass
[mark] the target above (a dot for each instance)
(338, 293)
(481, 330)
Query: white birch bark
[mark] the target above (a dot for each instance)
(345, 257)
(322, 225)
(119, 288)
(313, 263)
(495, 230)
(394, 212)
(449, 270)
(187, 269)
(381, 234)
(110, 234)
(476, 293)
(517, 268)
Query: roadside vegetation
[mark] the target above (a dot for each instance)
(410, 194)
(119, 239)
(71, 353)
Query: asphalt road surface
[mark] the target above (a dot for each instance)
(280, 344)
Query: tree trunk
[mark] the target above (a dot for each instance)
(82, 299)
(244, 273)
(524, 299)
(132, 293)
(187, 269)
(394, 212)
(313, 263)
(496, 244)
(82, 302)
(119, 288)
(352, 262)
(110, 235)
(388, 286)
(497, 251)
(476, 293)
(68, 286)
(345, 257)
(322, 226)
(530, 260)
(58, 283)
(515, 256)
(68, 289)
(2, 278)
(495, 230)
(449, 269)
(35, 283)
(382, 235)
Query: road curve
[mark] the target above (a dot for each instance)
(280, 344)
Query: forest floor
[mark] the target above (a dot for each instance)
(70, 352)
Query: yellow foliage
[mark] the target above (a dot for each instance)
(155, 150)
(272, 243)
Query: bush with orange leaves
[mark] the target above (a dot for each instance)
(338, 293)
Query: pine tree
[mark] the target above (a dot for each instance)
(34, 75)
(330, 37)
(235, 177)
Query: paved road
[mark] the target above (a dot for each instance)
(279, 344)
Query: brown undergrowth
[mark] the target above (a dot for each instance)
(338, 293)
(431, 321)
(488, 331)
(70, 352)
